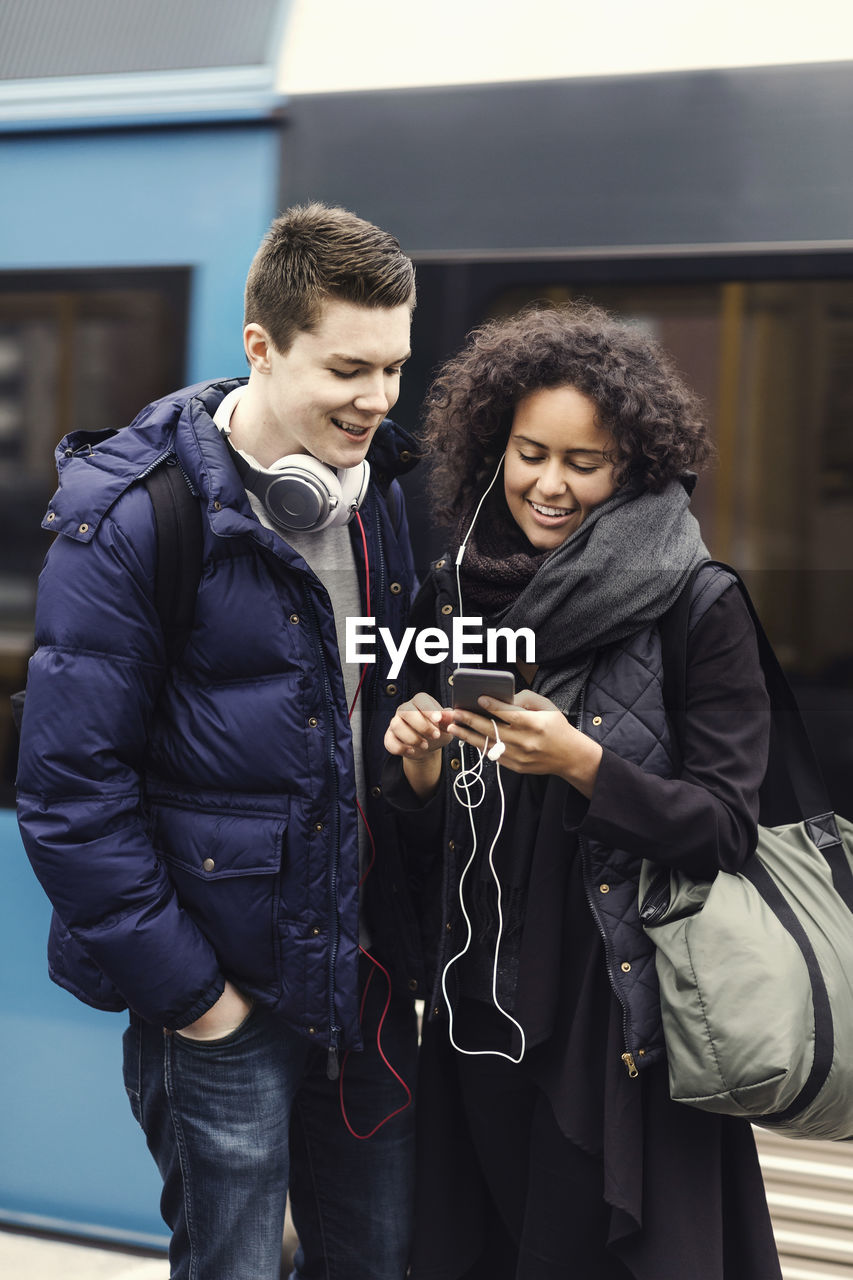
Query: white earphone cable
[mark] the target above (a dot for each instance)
(463, 784)
(460, 554)
(466, 782)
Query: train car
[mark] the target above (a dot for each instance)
(712, 204)
(139, 158)
(715, 208)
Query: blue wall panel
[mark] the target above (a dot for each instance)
(71, 1155)
(184, 197)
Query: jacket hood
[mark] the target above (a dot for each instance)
(96, 467)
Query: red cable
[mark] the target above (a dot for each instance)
(358, 691)
(362, 1137)
(369, 867)
(366, 565)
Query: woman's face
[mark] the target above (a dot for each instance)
(556, 470)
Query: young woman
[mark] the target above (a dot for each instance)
(549, 1143)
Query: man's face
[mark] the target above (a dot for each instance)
(327, 395)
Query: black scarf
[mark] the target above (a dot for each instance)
(620, 571)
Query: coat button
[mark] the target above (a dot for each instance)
(315, 933)
(404, 455)
(451, 844)
(395, 588)
(447, 608)
(596, 719)
(455, 763)
(413, 984)
(439, 564)
(625, 967)
(51, 515)
(208, 864)
(84, 528)
(217, 506)
(318, 826)
(312, 1031)
(294, 617)
(376, 792)
(390, 689)
(436, 1011)
(604, 888)
(313, 722)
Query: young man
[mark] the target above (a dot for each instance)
(195, 822)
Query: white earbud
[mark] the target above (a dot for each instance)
(497, 750)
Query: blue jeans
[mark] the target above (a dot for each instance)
(233, 1123)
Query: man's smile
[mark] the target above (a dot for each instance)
(351, 428)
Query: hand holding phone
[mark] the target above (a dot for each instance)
(471, 683)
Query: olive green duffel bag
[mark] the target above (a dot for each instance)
(756, 969)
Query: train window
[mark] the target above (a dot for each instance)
(773, 361)
(78, 350)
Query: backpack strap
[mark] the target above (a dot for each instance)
(177, 517)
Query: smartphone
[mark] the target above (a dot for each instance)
(471, 683)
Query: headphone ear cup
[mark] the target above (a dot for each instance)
(299, 492)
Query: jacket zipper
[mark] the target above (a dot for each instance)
(152, 466)
(170, 458)
(627, 1057)
(437, 995)
(332, 1061)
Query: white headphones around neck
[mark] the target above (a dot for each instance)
(301, 493)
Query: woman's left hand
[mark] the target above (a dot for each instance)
(537, 738)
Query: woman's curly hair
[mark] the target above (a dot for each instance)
(656, 422)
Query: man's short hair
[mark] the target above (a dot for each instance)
(313, 252)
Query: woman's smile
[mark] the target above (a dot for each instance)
(549, 516)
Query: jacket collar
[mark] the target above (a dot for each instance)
(95, 468)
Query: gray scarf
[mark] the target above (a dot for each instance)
(619, 572)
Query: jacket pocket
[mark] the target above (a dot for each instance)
(226, 868)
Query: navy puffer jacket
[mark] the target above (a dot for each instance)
(199, 823)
